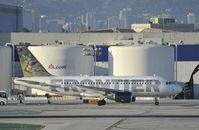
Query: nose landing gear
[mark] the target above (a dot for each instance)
(156, 101)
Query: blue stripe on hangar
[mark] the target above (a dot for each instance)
(184, 53)
(187, 52)
(103, 57)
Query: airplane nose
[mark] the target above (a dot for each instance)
(177, 89)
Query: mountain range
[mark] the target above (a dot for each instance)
(107, 8)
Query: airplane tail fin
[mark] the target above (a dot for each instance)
(29, 64)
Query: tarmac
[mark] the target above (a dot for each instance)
(74, 115)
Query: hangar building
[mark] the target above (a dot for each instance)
(11, 18)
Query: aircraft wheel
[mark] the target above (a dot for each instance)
(133, 99)
(101, 102)
(2, 103)
(156, 103)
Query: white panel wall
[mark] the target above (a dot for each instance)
(64, 60)
(184, 70)
(5, 68)
(143, 60)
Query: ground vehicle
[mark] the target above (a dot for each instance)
(3, 98)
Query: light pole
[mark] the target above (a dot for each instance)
(13, 62)
(176, 66)
(176, 59)
(89, 52)
(97, 52)
(41, 19)
(92, 52)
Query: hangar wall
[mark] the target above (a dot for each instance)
(98, 38)
(142, 60)
(5, 68)
(11, 18)
(103, 38)
(188, 59)
(68, 38)
(64, 60)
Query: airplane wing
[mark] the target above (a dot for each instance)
(56, 89)
(73, 90)
(61, 89)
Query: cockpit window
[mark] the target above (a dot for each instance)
(170, 82)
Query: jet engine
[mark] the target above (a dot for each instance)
(124, 97)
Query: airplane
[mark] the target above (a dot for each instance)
(123, 86)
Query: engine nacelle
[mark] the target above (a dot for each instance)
(124, 97)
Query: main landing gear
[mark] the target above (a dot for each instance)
(101, 102)
(156, 101)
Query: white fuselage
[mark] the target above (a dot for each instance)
(145, 86)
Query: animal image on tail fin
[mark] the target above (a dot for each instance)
(30, 65)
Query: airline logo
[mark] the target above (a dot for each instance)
(136, 85)
(51, 66)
